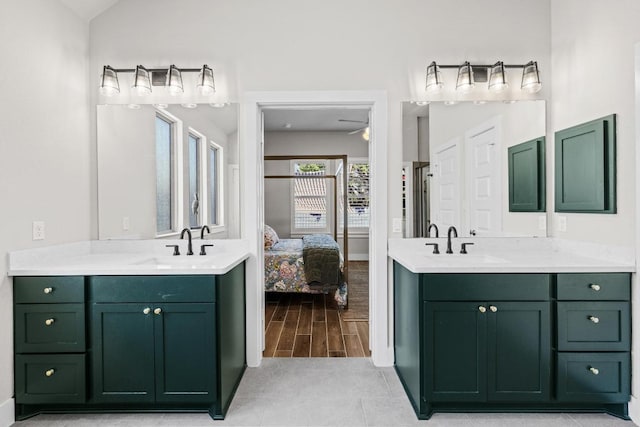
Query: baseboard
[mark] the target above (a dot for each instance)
(634, 409)
(358, 257)
(7, 413)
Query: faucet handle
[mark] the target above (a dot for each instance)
(435, 247)
(463, 248)
(176, 250)
(202, 250)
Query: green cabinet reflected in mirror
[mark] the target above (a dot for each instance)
(585, 167)
(527, 176)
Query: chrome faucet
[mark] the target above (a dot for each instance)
(455, 232)
(202, 231)
(429, 229)
(189, 247)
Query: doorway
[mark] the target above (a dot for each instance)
(253, 210)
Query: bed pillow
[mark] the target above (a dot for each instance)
(270, 237)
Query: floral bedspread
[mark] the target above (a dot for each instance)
(284, 270)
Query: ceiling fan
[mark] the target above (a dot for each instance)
(365, 125)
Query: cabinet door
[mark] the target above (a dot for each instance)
(122, 353)
(519, 351)
(455, 351)
(185, 352)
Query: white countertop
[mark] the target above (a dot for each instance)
(127, 257)
(511, 255)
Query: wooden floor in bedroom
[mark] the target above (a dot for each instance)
(310, 325)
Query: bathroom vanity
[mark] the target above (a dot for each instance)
(511, 331)
(138, 331)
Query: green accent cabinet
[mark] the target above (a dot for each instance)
(527, 176)
(513, 342)
(132, 343)
(585, 167)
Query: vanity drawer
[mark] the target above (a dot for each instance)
(48, 289)
(594, 286)
(483, 287)
(594, 377)
(177, 288)
(55, 328)
(593, 326)
(50, 378)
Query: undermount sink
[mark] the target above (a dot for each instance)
(170, 261)
(470, 258)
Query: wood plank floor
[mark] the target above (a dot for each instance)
(310, 325)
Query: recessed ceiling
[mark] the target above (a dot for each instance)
(315, 119)
(88, 9)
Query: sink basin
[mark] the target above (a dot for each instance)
(175, 261)
(467, 258)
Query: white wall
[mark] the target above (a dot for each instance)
(520, 122)
(44, 143)
(593, 76)
(278, 191)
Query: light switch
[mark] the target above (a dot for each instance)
(125, 223)
(396, 225)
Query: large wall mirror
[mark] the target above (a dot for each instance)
(165, 168)
(455, 167)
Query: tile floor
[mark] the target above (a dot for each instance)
(324, 392)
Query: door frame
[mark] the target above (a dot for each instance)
(252, 206)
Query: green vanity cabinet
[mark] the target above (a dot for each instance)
(512, 342)
(151, 343)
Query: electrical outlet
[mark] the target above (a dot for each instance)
(542, 222)
(38, 230)
(396, 225)
(125, 223)
(562, 223)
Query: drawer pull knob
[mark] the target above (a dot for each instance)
(482, 309)
(47, 290)
(157, 311)
(147, 310)
(594, 319)
(49, 372)
(595, 287)
(49, 322)
(493, 308)
(594, 371)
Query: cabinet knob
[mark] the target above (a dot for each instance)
(47, 290)
(49, 322)
(595, 287)
(493, 308)
(147, 310)
(594, 371)
(157, 311)
(482, 309)
(49, 372)
(594, 319)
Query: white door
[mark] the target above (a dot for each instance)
(446, 186)
(484, 195)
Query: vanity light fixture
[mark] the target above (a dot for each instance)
(174, 81)
(206, 85)
(531, 78)
(498, 78)
(469, 74)
(109, 85)
(142, 81)
(144, 78)
(434, 78)
(465, 81)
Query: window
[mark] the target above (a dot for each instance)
(357, 193)
(194, 181)
(310, 196)
(214, 184)
(165, 196)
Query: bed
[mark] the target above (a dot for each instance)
(312, 264)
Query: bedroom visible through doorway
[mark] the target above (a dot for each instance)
(316, 193)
